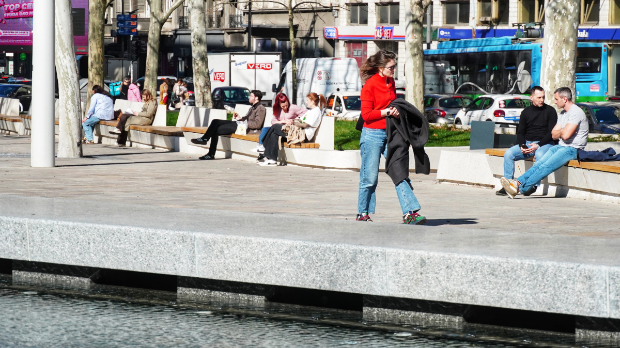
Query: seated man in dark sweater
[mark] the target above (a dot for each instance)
(255, 118)
(533, 135)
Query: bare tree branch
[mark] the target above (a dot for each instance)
(174, 6)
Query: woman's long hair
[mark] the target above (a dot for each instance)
(100, 90)
(148, 96)
(280, 98)
(318, 99)
(373, 63)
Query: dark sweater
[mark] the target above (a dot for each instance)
(536, 124)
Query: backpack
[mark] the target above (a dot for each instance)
(115, 88)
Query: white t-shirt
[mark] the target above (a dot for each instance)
(313, 118)
(575, 115)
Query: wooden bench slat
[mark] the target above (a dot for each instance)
(251, 137)
(11, 118)
(167, 131)
(111, 123)
(610, 167)
(200, 130)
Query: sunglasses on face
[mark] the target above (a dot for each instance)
(393, 67)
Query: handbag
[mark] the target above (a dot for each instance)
(360, 123)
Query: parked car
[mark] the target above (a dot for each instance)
(347, 105)
(603, 117)
(22, 92)
(442, 108)
(230, 96)
(503, 109)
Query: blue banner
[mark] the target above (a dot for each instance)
(127, 17)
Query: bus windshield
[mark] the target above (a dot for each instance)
(588, 60)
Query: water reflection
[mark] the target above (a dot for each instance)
(107, 316)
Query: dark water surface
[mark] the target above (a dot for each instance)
(107, 316)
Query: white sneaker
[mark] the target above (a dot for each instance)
(268, 162)
(115, 131)
(259, 148)
(511, 187)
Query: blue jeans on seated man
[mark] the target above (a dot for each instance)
(261, 137)
(514, 154)
(373, 144)
(88, 127)
(554, 159)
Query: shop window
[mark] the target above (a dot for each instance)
(531, 11)
(387, 14)
(456, 12)
(358, 14)
(485, 11)
(589, 11)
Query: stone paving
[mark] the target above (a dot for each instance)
(176, 180)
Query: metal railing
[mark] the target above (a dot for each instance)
(236, 21)
(214, 21)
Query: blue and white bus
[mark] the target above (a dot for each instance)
(501, 65)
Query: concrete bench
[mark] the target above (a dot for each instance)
(10, 121)
(586, 180)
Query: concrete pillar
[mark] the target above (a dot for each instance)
(43, 109)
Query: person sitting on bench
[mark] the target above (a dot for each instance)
(571, 131)
(143, 118)
(101, 108)
(533, 135)
(255, 118)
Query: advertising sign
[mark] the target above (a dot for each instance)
(16, 23)
(384, 33)
(330, 33)
(127, 17)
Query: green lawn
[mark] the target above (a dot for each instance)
(346, 137)
(171, 118)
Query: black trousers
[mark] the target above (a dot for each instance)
(216, 128)
(270, 142)
(122, 138)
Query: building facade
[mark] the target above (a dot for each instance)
(364, 27)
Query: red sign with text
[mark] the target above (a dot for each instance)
(219, 76)
(260, 66)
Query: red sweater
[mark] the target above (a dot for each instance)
(377, 94)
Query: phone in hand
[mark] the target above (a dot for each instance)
(524, 147)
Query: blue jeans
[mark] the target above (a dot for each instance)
(373, 144)
(554, 159)
(88, 127)
(261, 137)
(514, 154)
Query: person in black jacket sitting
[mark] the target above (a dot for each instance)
(533, 135)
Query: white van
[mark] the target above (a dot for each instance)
(320, 75)
(250, 70)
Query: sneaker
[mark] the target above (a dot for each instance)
(363, 217)
(413, 218)
(259, 148)
(199, 141)
(501, 192)
(530, 191)
(115, 131)
(510, 186)
(268, 162)
(206, 157)
(121, 145)
(260, 158)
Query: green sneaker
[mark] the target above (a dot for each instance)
(413, 218)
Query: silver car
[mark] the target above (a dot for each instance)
(442, 108)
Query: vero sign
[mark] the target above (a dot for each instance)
(260, 66)
(219, 76)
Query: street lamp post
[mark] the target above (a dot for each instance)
(43, 87)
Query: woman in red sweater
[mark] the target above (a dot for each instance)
(378, 92)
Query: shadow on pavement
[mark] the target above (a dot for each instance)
(443, 222)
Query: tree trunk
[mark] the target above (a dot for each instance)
(291, 30)
(158, 18)
(559, 55)
(414, 45)
(70, 114)
(202, 81)
(96, 25)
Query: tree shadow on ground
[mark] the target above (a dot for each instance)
(444, 222)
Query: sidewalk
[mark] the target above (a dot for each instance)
(174, 180)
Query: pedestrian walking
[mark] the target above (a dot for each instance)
(101, 108)
(378, 93)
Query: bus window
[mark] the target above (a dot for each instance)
(588, 60)
(495, 62)
(510, 70)
(524, 75)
